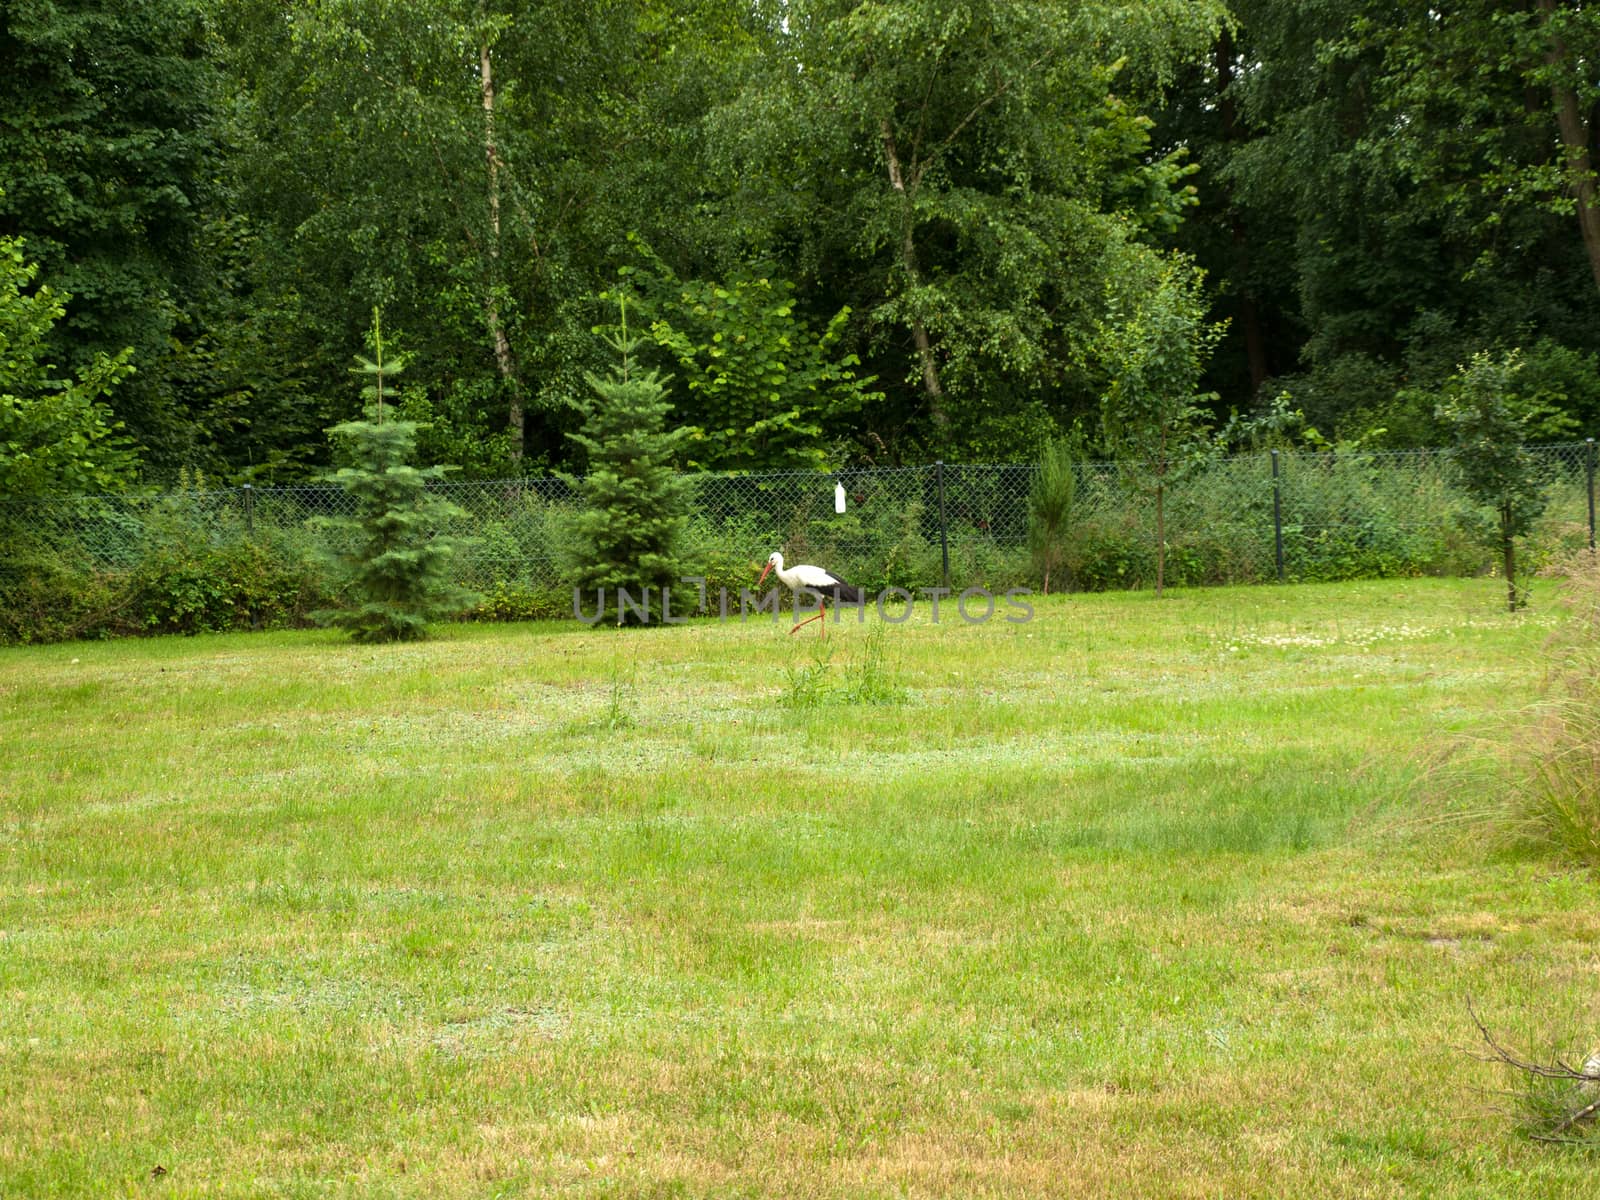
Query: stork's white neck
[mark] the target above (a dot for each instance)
(787, 575)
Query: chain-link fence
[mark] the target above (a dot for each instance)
(1241, 519)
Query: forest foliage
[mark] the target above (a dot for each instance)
(862, 233)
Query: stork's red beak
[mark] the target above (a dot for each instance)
(764, 571)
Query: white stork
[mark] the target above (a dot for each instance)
(825, 583)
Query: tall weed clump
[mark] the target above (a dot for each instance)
(1051, 493)
(1533, 782)
(1555, 774)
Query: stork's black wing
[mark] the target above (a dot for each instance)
(841, 592)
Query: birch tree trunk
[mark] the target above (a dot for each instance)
(1255, 344)
(505, 363)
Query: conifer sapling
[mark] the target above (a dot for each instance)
(635, 502)
(397, 554)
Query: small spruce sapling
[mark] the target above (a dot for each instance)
(636, 504)
(396, 565)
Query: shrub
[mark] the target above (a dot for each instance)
(190, 569)
(519, 536)
(976, 561)
(521, 602)
(51, 594)
(724, 553)
(878, 545)
(1110, 551)
(213, 589)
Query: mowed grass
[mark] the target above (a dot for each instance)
(1137, 898)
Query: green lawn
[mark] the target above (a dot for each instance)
(1136, 899)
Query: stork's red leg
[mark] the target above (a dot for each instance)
(818, 616)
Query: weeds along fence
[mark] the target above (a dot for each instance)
(192, 560)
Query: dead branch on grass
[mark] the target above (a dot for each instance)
(1567, 1112)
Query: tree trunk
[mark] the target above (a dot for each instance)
(1575, 137)
(1508, 554)
(1161, 537)
(931, 385)
(1255, 342)
(503, 360)
(1226, 108)
(1575, 140)
(1255, 345)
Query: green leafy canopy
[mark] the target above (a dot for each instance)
(56, 435)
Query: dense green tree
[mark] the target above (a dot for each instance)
(107, 150)
(56, 436)
(1386, 188)
(1493, 112)
(945, 191)
(759, 386)
(363, 169)
(475, 166)
(961, 173)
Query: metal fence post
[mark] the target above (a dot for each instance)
(944, 535)
(1589, 471)
(1277, 515)
(249, 511)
